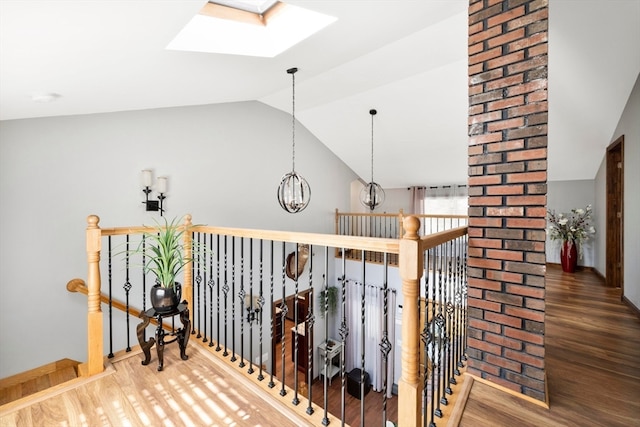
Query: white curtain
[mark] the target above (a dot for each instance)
(373, 332)
(446, 200)
(417, 200)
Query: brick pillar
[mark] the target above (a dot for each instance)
(507, 192)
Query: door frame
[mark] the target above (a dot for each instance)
(614, 260)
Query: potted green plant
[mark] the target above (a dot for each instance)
(328, 298)
(164, 256)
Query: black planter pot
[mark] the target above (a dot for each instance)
(164, 300)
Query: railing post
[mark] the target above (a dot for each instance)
(187, 286)
(95, 345)
(410, 266)
(400, 229)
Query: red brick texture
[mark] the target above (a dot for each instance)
(507, 192)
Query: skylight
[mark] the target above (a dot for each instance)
(254, 6)
(262, 28)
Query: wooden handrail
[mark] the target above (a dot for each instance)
(330, 240)
(78, 285)
(436, 239)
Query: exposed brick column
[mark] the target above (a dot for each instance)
(507, 192)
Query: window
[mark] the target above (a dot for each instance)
(446, 200)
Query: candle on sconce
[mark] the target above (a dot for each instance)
(162, 184)
(146, 178)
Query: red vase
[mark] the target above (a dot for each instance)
(569, 256)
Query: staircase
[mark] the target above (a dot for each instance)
(37, 379)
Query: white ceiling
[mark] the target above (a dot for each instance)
(406, 58)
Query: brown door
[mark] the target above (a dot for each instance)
(615, 224)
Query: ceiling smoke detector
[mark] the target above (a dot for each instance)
(42, 98)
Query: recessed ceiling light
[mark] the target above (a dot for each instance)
(45, 97)
(262, 28)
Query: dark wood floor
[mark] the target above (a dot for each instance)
(373, 402)
(592, 362)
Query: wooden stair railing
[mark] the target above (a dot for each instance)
(410, 250)
(78, 285)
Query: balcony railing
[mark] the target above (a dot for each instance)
(240, 293)
(389, 225)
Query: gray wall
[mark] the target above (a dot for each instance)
(629, 126)
(224, 164)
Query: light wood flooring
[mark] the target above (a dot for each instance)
(592, 362)
(196, 392)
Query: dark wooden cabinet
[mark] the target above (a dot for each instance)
(277, 324)
(303, 348)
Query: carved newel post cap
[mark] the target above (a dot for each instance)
(411, 224)
(92, 221)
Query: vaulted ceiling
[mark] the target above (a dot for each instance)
(406, 58)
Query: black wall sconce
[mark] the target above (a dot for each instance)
(161, 188)
(254, 306)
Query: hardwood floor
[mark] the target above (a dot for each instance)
(373, 401)
(196, 392)
(592, 362)
(592, 365)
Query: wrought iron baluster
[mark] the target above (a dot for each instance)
(438, 328)
(272, 384)
(295, 400)
(385, 344)
(225, 289)
(283, 314)
(427, 340)
(344, 332)
(465, 322)
(195, 243)
(218, 348)
(363, 334)
(325, 289)
(210, 284)
(233, 300)
(241, 296)
(432, 331)
(456, 305)
(449, 313)
(110, 264)
(127, 288)
(261, 306)
(198, 281)
(251, 307)
(309, 322)
(144, 281)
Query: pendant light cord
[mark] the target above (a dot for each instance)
(292, 71)
(373, 113)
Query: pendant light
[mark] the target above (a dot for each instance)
(294, 192)
(372, 194)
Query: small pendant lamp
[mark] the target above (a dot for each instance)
(372, 194)
(294, 192)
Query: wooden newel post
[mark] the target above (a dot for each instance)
(187, 286)
(95, 355)
(411, 266)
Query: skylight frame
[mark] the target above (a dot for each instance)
(258, 7)
(225, 30)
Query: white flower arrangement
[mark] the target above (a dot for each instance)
(574, 228)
